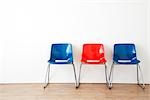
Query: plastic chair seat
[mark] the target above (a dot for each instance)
(131, 62)
(101, 61)
(54, 62)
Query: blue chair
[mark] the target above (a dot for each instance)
(60, 54)
(126, 54)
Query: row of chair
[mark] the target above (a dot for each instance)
(94, 54)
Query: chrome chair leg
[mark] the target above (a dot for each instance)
(142, 85)
(137, 74)
(75, 75)
(79, 75)
(47, 76)
(106, 75)
(111, 75)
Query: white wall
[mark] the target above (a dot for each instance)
(28, 28)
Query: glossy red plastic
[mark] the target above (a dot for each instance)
(93, 54)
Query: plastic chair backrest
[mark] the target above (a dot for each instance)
(93, 51)
(124, 52)
(61, 52)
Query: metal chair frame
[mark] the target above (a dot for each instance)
(47, 76)
(106, 74)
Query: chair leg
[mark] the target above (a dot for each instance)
(75, 75)
(79, 75)
(137, 74)
(106, 75)
(47, 76)
(138, 78)
(111, 75)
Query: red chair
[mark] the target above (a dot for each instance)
(93, 54)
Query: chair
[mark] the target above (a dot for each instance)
(60, 54)
(93, 54)
(126, 54)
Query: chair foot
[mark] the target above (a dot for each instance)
(107, 84)
(142, 86)
(46, 86)
(109, 88)
(76, 87)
